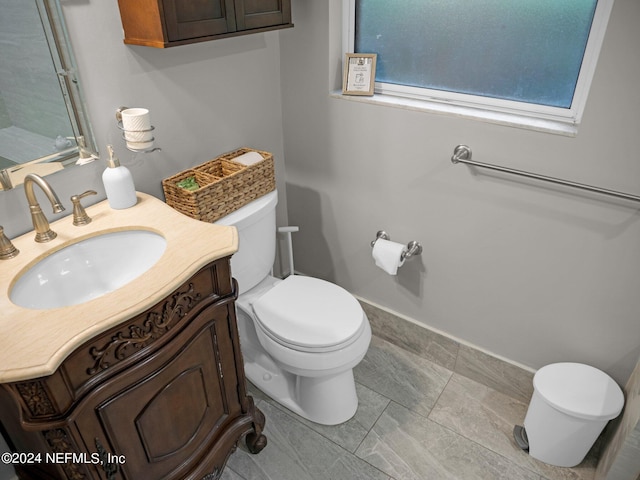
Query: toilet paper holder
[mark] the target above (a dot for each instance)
(413, 247)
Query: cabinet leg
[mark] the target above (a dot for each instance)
(215, 475)
(255, 440)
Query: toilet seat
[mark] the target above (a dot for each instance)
(309, 315)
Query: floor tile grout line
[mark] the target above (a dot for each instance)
(369, 431)
(428, 416)
(535, 472)
(236, 473)
(291, 414)
(440, 394)
(286, 411)
(458, 434)
(485, 447)
(375, 422)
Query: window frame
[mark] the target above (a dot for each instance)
(563, 121)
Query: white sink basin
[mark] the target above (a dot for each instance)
(88, 269)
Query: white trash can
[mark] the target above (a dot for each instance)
(570, 406)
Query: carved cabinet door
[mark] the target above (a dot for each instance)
(169, 413)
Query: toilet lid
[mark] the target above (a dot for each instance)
(309, 312)
(579, 390)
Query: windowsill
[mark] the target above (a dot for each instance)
(500, 118)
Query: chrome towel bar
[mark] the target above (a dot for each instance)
(462, 154)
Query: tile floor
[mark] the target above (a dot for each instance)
(416, 421)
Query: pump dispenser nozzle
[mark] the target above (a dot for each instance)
(113, 161)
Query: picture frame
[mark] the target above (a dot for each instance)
(359, 74)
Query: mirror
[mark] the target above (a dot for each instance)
(43, 121)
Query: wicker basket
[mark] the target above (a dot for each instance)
(225, 185)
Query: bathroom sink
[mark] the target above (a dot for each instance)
(87, 269)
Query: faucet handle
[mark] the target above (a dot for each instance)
(80, 217)
(7, 250)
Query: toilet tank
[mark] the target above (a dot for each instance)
(256, 224)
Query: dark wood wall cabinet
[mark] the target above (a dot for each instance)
(165, 23)
(160, 396)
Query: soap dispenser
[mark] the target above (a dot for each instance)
(118, 183)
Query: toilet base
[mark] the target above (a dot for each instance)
(327, 400)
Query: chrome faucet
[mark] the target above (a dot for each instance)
(40, 222)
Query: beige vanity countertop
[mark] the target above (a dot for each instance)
(33, 343)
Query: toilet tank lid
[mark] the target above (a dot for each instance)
(579, 390)
(251, 212)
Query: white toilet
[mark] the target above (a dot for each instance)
(300, 337)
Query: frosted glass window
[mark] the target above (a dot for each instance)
(519, 50)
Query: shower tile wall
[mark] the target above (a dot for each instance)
(21, 145)
(5, 121)
(31, 94)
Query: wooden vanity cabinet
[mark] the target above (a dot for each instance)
(166, 23)
(160, 396)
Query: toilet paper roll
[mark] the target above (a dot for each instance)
(388, 255)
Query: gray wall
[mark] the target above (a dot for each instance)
(533, 273)
(205, 99)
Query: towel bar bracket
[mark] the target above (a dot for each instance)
(460, 153)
